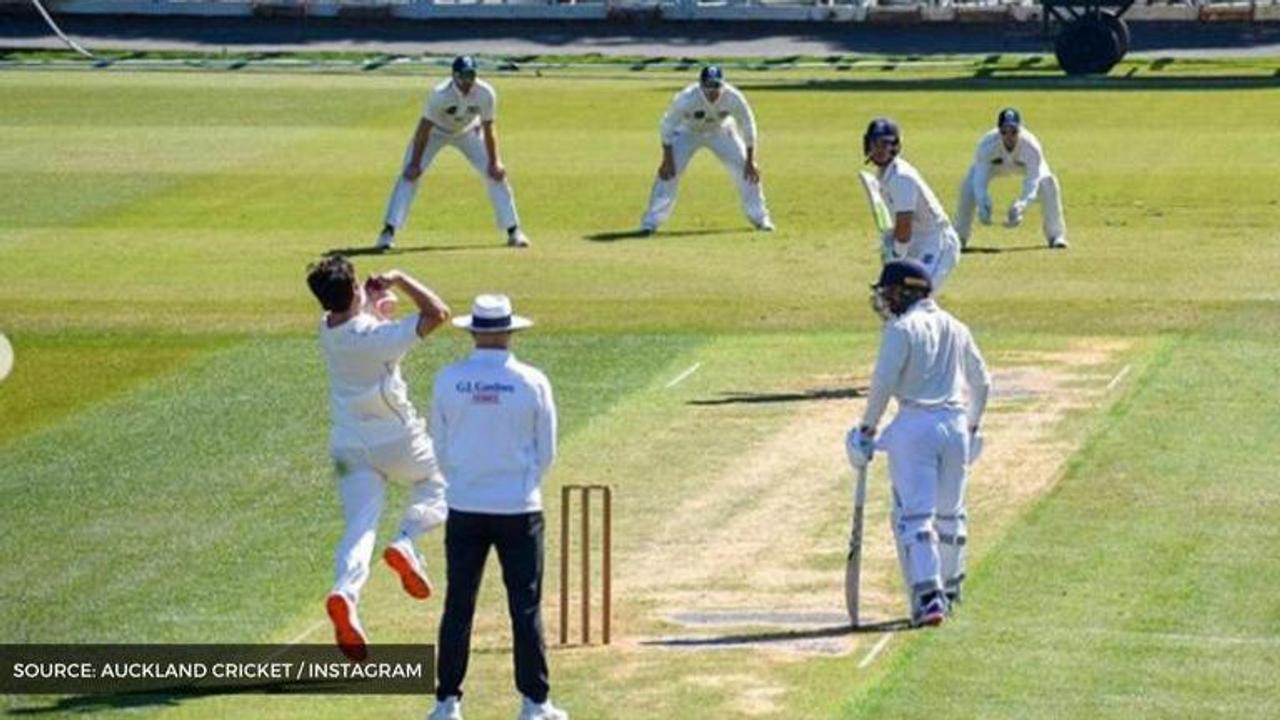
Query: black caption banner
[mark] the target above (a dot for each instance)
(214, 669)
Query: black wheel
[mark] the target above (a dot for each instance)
(1087, 47)
(1119, 28)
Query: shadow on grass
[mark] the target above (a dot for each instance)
(168, 697)
(637, 234)
(736, 398)
(782, 636)
(370, 250)
(974, 250)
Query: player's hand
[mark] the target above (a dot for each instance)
(383, 281)
(1015, 213)
(497, 172)
(860, 447)
(984, 211)
(751, 172)
(412, 172)
(667, 169)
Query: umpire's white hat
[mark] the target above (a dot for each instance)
(492, 314)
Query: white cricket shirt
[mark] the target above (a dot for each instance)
(368, 399)
(493, 422)
(904, 190)
(690, 111)
(926, 360)
(453, 113)
(992, 158)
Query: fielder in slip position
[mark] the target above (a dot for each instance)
(1011, 149)
(921, 229)
(459, 112)
(712, 114)
(376, 434)
(930, 363)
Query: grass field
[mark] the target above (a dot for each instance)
(162, 452)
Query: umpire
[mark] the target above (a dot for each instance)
(493, 420)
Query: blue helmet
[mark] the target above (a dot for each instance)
(1009, 116)
(902, 284)
(464, 65)
(880, 128)
(711, 76)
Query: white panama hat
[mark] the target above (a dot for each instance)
(492, 314)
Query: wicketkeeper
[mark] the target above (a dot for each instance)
(930, 364)
(1011, 149)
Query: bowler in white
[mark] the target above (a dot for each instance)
(493, 419)
(376, 434)
(1012, 149)
(713, 114)
(930, 364)
(460, 112)
(921, 229)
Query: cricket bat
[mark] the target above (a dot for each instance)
(879, 209)
(853, 565)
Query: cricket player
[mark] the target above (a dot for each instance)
(459, 112)
(493, 419)
(930, 364)
(376, 433)
(1011, 149)
(921, 229)
(712, 114)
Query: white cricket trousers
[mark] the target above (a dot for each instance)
(938, 254)
(928, 449)
(471, 145)
(728, 146)
(1048, 194)
(364, 472)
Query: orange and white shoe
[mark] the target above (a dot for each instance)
(346, 627)
(413, 576)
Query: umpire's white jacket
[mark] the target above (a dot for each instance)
(493, 421)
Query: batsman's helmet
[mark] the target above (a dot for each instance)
(1009, 116)
(464, 65)
(711, 76)
(902, 284)
(880, 128)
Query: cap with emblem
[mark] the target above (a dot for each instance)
(1009, 116)
(711, 76)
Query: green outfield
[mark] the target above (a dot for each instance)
(162, 451)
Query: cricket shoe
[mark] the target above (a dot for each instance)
(647, 230)
(530, 710)
(386, 240)
(765, 225)
(346, 627)
(402, 558)
(1058, 243)
(517, 239)
(449, 708)
(932, 613)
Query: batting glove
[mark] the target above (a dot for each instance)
(859, 447)
(975, 445)
(1015, 213)
(984, 211)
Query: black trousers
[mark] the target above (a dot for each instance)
(519, 542)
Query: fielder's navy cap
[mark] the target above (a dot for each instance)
(711, 76)
(464, 65)
(1009, 116)
(905, 273)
